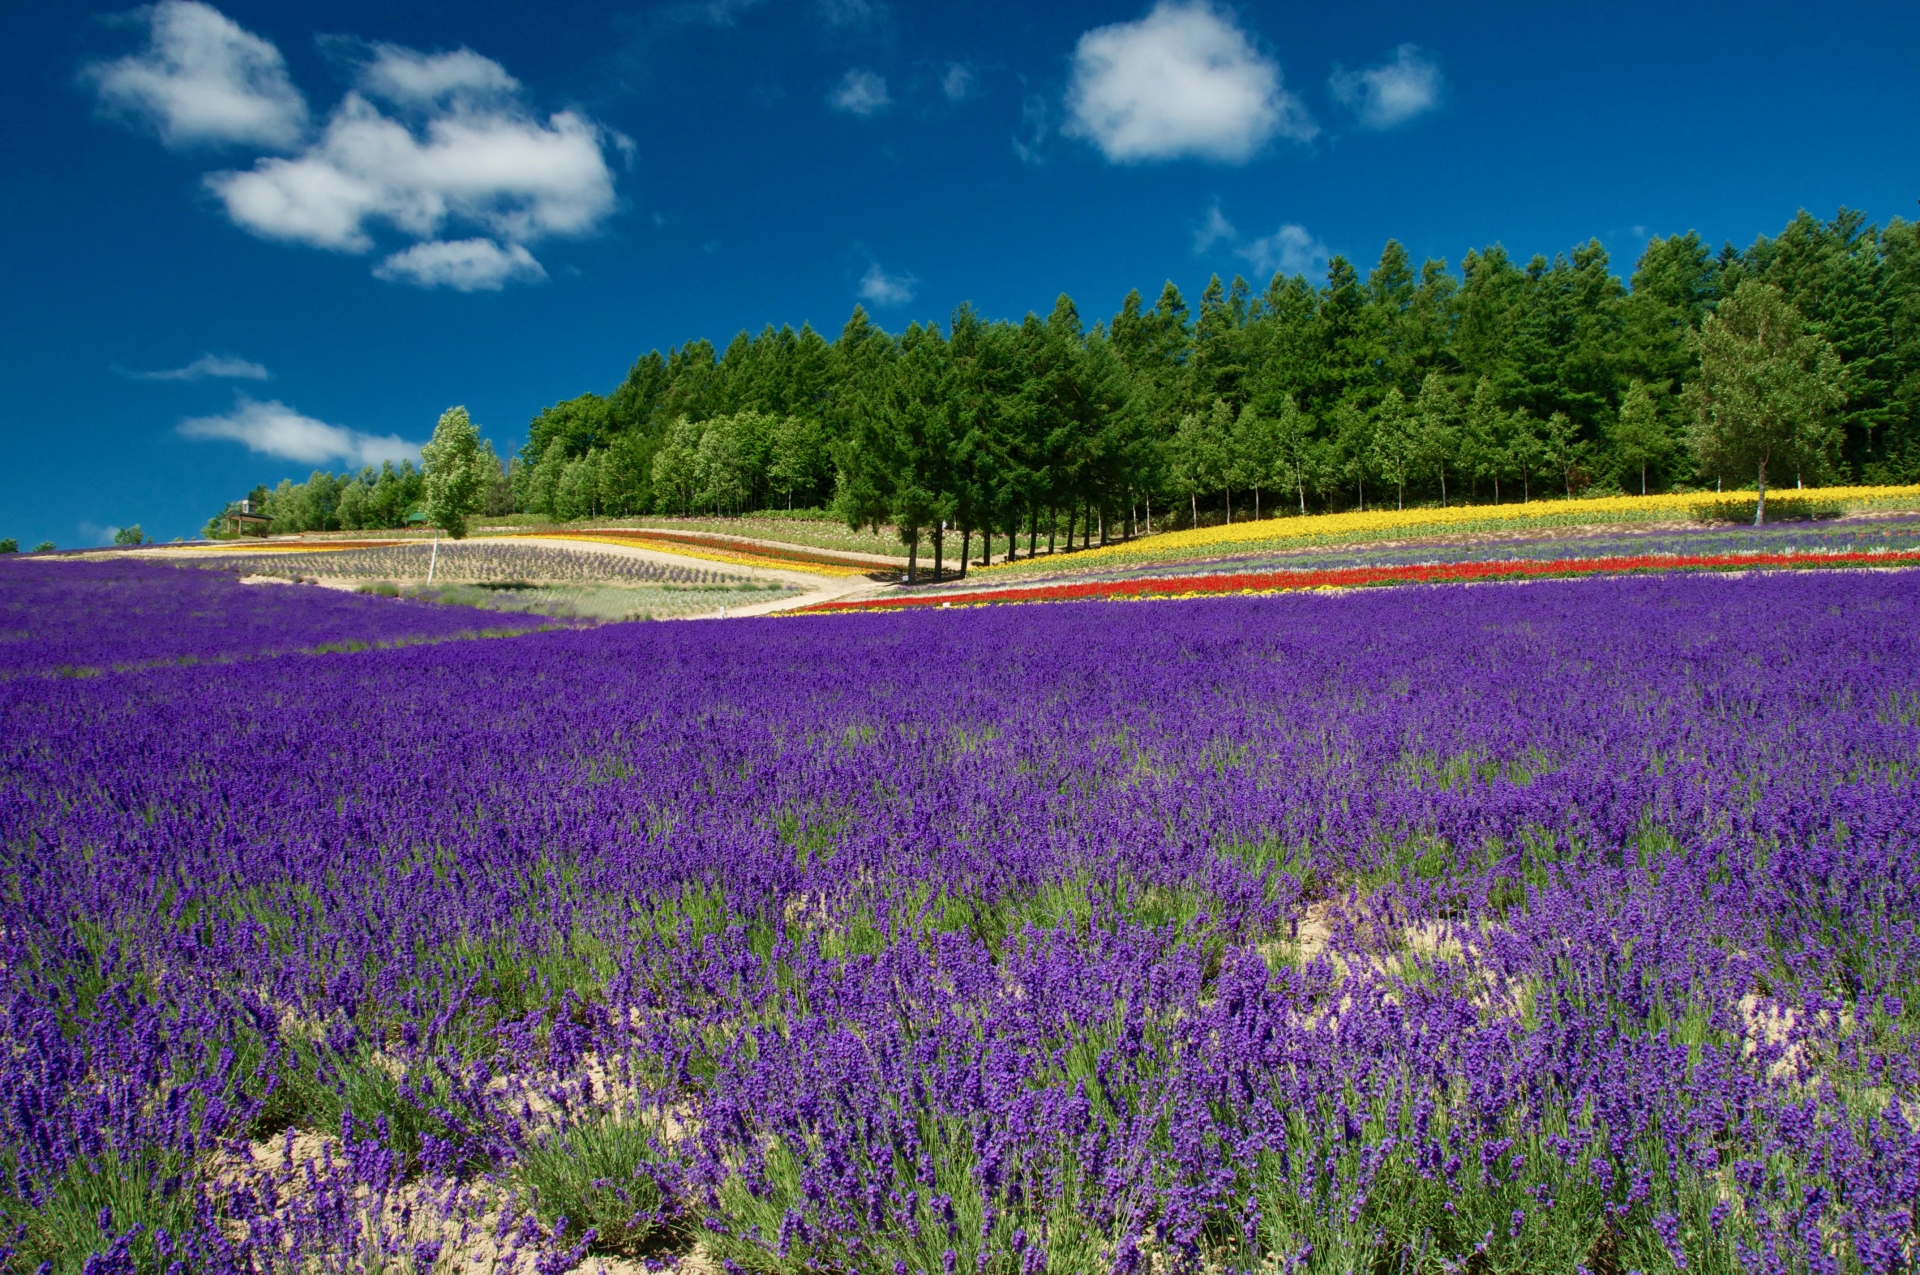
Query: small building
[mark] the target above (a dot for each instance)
(244, 520)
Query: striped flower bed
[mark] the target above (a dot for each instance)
(1364, 577)
(712, 549)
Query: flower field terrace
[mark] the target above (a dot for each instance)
(85, 617)
(1397, 930)
(1240, 539)
(1885, 542)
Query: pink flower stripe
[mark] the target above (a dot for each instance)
(1362, 577)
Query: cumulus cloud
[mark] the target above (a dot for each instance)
(224, 366)
(423, 142)
(517, 176)
(957, 82)
(203, 80)
(465, 265)
(1182, 81)
(406, 77)
(1288, 250)
(861, 93)
(1393, 92)
(879, 288)
(274, 429)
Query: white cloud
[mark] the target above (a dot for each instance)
(1288, 250)
(1215, 229)
(214, 365)
(957, 82)
(1393, 92)
(1182, 81)
(202, 80)
(465, 265)
(861, 93)
(423, 80)
(498, 168)
(275, 429)
(882, 289)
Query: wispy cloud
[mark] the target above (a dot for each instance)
(861, 93)
(274, 429)
(210, 366)
(720, 13)
(1213, 229)
(202, 80)
(1406, 85)
(1036, 119)
(879, 288)
(958, 81)
(852, 13)
(1290, 250)
(1184, 81)
(465, 265)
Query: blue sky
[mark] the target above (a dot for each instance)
(244, 240)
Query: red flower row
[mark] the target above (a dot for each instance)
(1361, 577)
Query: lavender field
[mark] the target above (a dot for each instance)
(79, 618)
(1522, 928)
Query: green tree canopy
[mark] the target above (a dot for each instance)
(455, 476)
(1767, 390)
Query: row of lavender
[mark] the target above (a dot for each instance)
(82, 617)
(1502, 928)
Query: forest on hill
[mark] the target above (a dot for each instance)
(1406, 384)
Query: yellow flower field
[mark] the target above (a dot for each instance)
(1378, 524)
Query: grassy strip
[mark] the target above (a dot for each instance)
(1362, 577)
(1384, 524)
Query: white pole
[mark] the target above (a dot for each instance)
(433, 559)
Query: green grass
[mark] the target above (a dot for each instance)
(594, 602)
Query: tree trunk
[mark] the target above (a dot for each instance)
(1149, 513)
(1229, 492)
(1033, 530)
(1643, 480)
(1195, 498)
(1053, 528)
(1443, 486)
(1301, 479)
(966, 544)
(913, 556)
(1760, 505)
(1256, 504)
(1496, 489)
(939, 550)
(1400, 497)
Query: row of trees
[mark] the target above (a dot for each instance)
(1502, 381)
